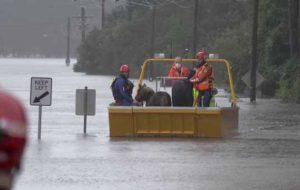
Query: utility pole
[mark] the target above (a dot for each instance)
(254, 51)
(129, 10)
(83, 25)
(195, 27)
(294, 27)
(171, 49)
(186, 53)
(152, 42)
(68, 41)
(103, 14)
(153, 31)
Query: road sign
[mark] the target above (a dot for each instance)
(41, 91)
(247, 79)
(85, 98)
(85, 104)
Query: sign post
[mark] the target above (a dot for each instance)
(85, 104)
(40, 95)
(247, 80)
(40, 122)
(85, 109)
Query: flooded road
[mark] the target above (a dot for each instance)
(264, 155)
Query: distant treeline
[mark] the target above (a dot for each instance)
(224, 27)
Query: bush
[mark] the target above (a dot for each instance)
(289, 83)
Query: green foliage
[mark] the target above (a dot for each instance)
(128, 42)
(234, 45)
(289, 83)
(273, 44)
(225, 27)
(89, 53)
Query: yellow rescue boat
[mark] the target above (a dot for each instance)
(215, 122)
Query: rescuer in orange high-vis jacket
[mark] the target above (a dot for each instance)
(203, 80)
(178, 70)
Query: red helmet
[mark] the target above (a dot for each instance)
(12, 132)
(201, 54)
(124, 68)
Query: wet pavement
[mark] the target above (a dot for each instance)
(264, 155)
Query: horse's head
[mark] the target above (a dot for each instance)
(143, 93)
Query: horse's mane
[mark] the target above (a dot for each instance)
(148, 92)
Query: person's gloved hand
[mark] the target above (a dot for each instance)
(193, 80)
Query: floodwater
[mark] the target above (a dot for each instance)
(264, 155)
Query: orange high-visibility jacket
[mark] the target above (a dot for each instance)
(205, 76)
(173, 72)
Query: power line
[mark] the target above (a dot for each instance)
(139, 4)
(83, 24)
(29, 25)
(177, 4)
(158, 4)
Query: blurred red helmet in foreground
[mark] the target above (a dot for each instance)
(12, 132)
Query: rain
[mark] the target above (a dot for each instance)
(44, 60)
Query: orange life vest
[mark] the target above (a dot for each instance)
(205, 76)
(184, 71)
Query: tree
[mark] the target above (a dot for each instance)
(273, 46)
(224, 27)
(254, 51)
(294, 27)
(290, 78)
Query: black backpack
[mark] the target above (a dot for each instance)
(115, 92)
(128, 88)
